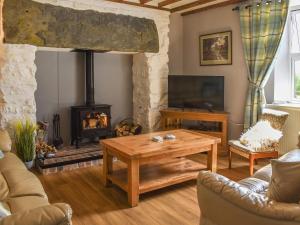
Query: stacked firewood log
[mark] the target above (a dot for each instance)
(127, 128)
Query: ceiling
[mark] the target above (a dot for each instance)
(185, 7)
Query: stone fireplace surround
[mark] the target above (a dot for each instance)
(150, 70)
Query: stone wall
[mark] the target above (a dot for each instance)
(150, 81)
(46, 25)
(17, 84)
(150, 70)
(1, 35)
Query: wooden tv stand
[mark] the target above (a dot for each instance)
(172, 118)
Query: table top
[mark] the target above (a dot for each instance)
(142, 146)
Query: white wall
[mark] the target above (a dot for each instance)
(61, 84)
(236, 83)
(176, 44)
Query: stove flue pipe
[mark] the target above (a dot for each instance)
(89, 78)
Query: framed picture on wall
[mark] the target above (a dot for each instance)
(216, 49)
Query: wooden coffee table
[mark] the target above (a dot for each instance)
(152, 165)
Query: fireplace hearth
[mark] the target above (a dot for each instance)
(90, 121)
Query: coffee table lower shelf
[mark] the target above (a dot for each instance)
(159, 174)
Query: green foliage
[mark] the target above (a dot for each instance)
(24, 134)
(297, 86)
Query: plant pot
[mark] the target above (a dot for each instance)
(29, 164)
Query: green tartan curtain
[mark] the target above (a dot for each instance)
(262, 26)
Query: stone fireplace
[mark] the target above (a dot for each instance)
(150, 61)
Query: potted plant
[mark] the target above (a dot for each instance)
(25, 142)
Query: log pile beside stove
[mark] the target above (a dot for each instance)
(90, 121)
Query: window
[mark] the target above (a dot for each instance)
(295, 52)
(284, 84)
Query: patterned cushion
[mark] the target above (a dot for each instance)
(275, 117)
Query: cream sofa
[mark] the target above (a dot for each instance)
(225, 202)
(23, 194)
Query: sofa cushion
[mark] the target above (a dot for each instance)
(5, 141)
(254, 184)
(21, 182)
(285, 181)
(26, 203)
(56, 214)
(264, 173)
(291, 156)
(11, 162)
(3, 188)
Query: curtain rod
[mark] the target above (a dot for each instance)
(248, 6)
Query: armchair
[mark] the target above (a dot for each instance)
(225, 202)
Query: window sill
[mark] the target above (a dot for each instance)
(292, 105)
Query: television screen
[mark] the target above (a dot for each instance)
(202, 92)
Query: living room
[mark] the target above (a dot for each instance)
(149, 112)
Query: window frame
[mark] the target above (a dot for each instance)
(293, 57)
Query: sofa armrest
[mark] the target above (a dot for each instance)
(55, 214)
(246, 199)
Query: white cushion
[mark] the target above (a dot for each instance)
(261, 136)
(4, 210)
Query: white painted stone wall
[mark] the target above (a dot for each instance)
(150, 71)
(17, 84)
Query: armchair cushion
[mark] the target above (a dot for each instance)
(248, 200)
(285, 181)
(26, 203)
(5, 141)
(21, 182)
(56, 214)
(254, 184)
(11, 162)
(264, 173)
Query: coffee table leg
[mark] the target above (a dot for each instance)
(212, 158)
(107, 167)
(133, 182)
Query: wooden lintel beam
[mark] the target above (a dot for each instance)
(191, 5)
(167, 2)
(140, 5)
(145, 1)
(230, 2)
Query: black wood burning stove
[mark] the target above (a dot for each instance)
(90, 121)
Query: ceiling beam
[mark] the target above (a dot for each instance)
(191, 5)
(145, 1)
(230, 2)
(167, 2)
(139, 4)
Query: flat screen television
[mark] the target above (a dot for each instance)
(201, 92)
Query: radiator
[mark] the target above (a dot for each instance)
(291, 129)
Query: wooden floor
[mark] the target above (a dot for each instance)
(94, 204)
